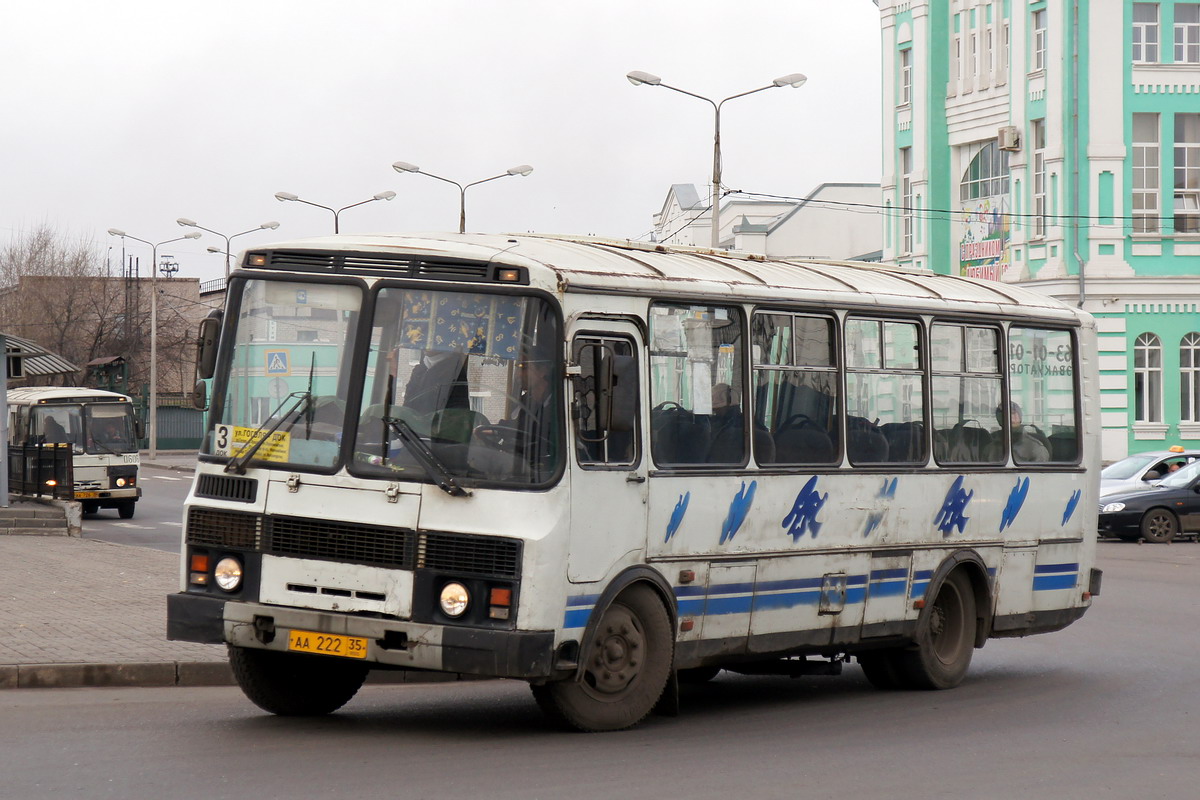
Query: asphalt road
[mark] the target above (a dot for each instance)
(1104, 709)
(158, 520)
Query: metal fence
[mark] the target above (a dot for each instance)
(41, 470)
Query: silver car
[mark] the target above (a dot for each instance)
(1142, 469)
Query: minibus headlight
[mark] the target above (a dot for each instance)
(228, 574)
(1112, 508)
(120, 483)
(454, 599)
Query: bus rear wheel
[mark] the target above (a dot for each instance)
(625, 668)
(945, 640)
(292, 685)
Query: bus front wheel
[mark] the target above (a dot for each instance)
(293, 685)
(625, 668)
(945, 640)
(125, 509)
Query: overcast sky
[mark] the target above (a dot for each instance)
(131, 113)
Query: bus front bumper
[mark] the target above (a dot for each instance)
(395, 643)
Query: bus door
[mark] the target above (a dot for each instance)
(608, 467)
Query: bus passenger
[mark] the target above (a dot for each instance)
(1027, 442)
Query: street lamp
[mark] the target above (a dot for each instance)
(191, 223)
(153, 327)
(282, 196)
(404, 166)
(639, 78)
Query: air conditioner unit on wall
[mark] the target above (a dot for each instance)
(1009, 138)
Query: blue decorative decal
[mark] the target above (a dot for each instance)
(677, 515)
(803, 516)
(738, 509)
(882, 503)
(1070, 509)
(1016, 499)
(951, 516)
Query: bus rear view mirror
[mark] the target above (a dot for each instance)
(206, 345)
(620, 387)
(200, 396)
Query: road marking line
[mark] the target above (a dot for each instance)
(131, 525)
(162, 478)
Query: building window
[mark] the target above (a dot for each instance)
(1187, 33)
(1147, 378)
(1187, 173)
(1039, 177)
(974, 56)
(905, 77)
(906, 200)
(1146, 170)
(1039, 40)
(986, 175)
(1145, 33)
(1189, 384)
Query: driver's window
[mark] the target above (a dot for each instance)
(604, 402)
(795, 389)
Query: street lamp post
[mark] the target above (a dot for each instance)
(639, 78)
(153, 421)
(288, 196)
(191, 223)
(404, 166)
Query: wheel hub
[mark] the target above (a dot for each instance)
(615, 659)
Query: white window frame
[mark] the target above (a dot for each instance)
(1187, 33)
(906, 76)
(1187, 177)
(1147, 179)
(1147, 378)
(907, 220)
(1040, 210)
(1145, 36)
(1189, 378)
(1039, 40)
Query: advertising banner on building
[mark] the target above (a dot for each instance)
(984, 231)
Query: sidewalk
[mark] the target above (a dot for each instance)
(80, 612)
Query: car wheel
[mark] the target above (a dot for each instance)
(1159, 526)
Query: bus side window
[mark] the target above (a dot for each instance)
(696, 386)
(885, 401)
(1042, 389)
(605, 402)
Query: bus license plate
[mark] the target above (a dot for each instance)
(327, 644)
(87, 494)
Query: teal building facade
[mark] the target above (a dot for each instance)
(1056, 144)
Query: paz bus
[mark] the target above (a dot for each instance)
(608, 467)
(102, 429)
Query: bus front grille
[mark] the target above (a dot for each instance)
(227, 487)
(210, 527)
(355, 543)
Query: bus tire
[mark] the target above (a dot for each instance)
(1159, 526)
(293, 685)
(625, 669)
(125, 509)
(945, 638)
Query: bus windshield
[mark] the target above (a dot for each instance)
(461, 383)
(110, 428)
(289, 364)
(59, 423)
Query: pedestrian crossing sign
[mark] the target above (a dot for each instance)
(278, 362)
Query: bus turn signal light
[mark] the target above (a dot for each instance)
(499, 602)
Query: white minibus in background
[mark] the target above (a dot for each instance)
(102, 429)
(606, 467)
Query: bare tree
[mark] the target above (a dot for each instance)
(54, 290)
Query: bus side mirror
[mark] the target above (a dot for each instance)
(619, 404)
(206, 345)
(200, 396)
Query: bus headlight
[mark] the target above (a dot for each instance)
(228, 574)
(454, 599)
(120, 483)
(1112, 508)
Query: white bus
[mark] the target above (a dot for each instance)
(103, 431)
(605, 467)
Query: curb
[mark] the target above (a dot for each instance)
(167, 673)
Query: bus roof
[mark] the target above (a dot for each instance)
(576, 263)
(63, 394)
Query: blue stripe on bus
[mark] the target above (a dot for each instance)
(716, 606)
(576, 618)
(888, 588)
(773, 602)
(1047, 583)
(794, 583)
(1042, 569)
(583, 600)
(886, 574)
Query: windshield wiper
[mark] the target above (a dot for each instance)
(417, 446)
(238, 463)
